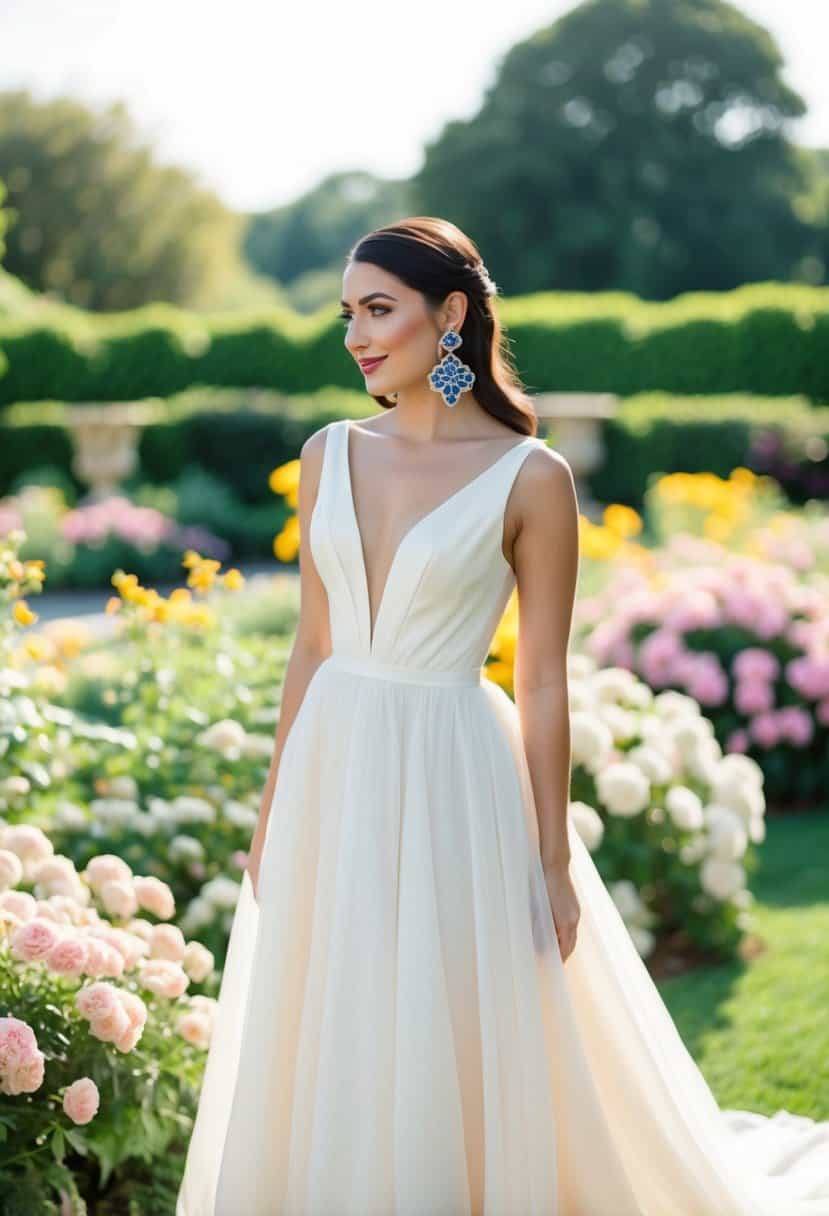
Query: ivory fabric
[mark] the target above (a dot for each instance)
(396, 1034)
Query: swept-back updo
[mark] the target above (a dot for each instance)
(434, 257)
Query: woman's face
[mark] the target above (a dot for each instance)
(389, 321)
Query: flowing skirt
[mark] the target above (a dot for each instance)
(396, 1034)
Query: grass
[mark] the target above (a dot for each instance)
(759, 1030)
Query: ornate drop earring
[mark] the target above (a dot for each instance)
(450, 377)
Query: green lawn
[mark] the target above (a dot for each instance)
(760, 1030)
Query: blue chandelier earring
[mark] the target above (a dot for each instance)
(450, 377)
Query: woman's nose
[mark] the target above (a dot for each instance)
(354, 338)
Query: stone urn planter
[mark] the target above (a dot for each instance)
(105, 437)
(575, 419)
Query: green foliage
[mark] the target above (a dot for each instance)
(654, 434)
(636, 144)
(314, 232)
(768, 337)
(96, 220)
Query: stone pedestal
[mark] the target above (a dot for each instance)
(573, 421)
(105, 436)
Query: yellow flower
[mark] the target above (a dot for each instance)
(285, 480)
(201, 577)
(113, 604)
(286, 542)
(622, 520)
(181, 595)
(23, 613)
(500, 674)
(234, 580)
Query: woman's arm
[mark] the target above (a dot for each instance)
(545, 558)
(312, 641)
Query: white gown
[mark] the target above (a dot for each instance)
(396, 1034)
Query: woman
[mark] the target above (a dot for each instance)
(430, 1004)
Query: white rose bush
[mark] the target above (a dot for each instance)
(669, 819)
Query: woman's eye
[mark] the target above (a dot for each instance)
(346, 316)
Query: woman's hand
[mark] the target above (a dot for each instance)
(564, 905)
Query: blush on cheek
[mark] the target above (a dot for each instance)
(403, 332)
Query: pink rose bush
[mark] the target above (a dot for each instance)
(669, 818)
(745, 637)
(95, 1006)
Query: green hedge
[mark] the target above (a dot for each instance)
(238, 438)
(653, 433)
(768, 338)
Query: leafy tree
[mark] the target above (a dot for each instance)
(315, 231)
(97, 221)
(633, 144)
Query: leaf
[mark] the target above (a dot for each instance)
(78, 1141)
(58, 1145)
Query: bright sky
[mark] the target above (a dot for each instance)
(262, 99)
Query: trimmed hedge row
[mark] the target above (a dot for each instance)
(240, 442)
(656, 434)
(769, 338)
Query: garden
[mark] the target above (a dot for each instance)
(132, 769)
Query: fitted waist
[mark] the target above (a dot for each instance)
(377, 669)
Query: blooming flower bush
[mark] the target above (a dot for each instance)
(728, 603)
(669, 819)
(101, 1035)
(172, 781)
(84, 543)
(743, 636)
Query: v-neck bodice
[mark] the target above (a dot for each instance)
(448, 582)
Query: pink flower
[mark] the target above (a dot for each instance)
(754, 663)
(17, 1041)
(118, 897)
(753, 695)
(163, 977)
(198, 961)
(26, 1077)
(136, 1013)
(81, 1100)
(21, 904)
(22, 1064)
(33, 940)
(705, 679)
(795, 725)
(155, 896)
(167, 941)
(809, 676)
(97, 1000)
(771, 620)
(105, 867)
(195, 1027)
(737, 741)
(31, 844)
(110, 1026)
(765, 729)
(68, 956)
(659, 657)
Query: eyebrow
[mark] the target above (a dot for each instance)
(372, 296)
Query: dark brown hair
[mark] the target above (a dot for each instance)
(434, 257)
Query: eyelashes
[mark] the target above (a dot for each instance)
(346, 316)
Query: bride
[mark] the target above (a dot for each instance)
(430, 1005)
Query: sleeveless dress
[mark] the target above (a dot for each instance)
(396, 1034)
